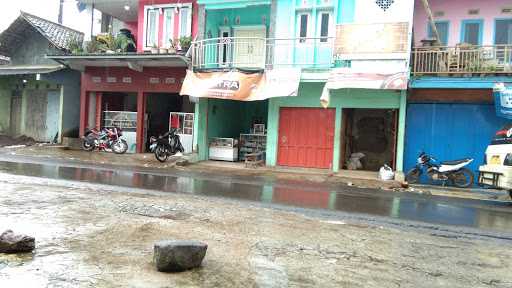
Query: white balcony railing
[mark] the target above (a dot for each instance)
(462, 60)
(250, 52)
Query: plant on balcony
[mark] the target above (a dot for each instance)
(172, 46)
(185, 42)
(92, 46)
(123, 43)
(107, 43)
(75, 46)
(154, 49)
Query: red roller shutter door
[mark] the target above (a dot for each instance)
(306, 137)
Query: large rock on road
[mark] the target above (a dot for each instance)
(16, 243)
(176, 256)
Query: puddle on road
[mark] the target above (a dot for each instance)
(401, 206)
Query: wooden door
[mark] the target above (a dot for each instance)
(249, 52)
(306, 137)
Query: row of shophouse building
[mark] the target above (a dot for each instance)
(321, 80)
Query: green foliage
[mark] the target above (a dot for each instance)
(75, 46)
(185, 42)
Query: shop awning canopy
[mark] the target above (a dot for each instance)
(133, 61)
(29, 69)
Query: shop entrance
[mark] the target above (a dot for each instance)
(158, 110)
(119, 109)
(237, 129)
(368, 138)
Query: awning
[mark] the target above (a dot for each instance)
(242, 85)
(29, 69)
(343, 78)
(134, 61)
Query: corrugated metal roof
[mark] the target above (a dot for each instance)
(29, 69)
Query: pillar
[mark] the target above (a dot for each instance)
(141, 111)
(337, 141)
(98, 109)
(401, 133)
(83, 111)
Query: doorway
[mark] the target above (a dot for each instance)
(250, 47)
(15, 119)
(368, 132)
(158, 109)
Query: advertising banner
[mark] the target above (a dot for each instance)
(342, 78)
(503, 100)
(242, 86)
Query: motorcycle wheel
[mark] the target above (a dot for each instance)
(463, 178)
(160, 154)
(413, 176)
(87, 146)
(510, 193)
(120, 147)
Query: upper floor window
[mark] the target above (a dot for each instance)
(471, 32)
(151, 29)
(173, 20)
(503, 31)
(325, 26)
(442, 29)
(303, 23)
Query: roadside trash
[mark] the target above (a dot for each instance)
(354, 163)
(177, 256)
(386, 173)
(16, 243)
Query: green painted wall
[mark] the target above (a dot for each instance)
(5, 103)
(309, 96)
(248, 16)
(226, 119)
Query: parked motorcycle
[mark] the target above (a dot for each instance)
(165, 145)
(448, 171)
(108, 140)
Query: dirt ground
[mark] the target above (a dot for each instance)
(96, 236)
(15, 141)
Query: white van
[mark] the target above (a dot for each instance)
(497, 169)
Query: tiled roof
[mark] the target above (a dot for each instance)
(58, 35)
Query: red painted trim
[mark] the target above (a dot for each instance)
(140, 20)
(83, 109)
(141, 110)
(99, 97)
(140, 81)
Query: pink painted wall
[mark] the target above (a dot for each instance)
(133, 26)
(142, 3)
(455, 11)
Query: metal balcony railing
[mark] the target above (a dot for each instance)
(251, 52)
(462, 60)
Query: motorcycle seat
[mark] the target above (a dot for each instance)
(455, 162)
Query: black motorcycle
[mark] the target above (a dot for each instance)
(165, 145)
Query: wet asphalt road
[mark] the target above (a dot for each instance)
(494, 216)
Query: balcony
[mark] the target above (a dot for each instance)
(262, 53)
(462, 61)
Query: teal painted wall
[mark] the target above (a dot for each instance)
(248, 16)
(309, 96)
(226, 119)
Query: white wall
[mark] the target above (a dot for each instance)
(81, 21)
(367, 11)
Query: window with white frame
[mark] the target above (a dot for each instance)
(303, 26)
(185, 21)
(168, 29)
(325, 26)
(151, 27)
(164, 17)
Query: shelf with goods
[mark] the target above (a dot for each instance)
(252, 143)
(122, 119)
(184, 124)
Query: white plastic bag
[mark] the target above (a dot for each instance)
(386, 173)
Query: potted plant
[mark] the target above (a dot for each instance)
(185, 42)
(154, 49)
(172, 46)
(75, 46)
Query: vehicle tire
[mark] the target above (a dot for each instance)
(87, 145)
(463, 178)
(413, 176)
(510, 193)
(120, 147)
(160, 153)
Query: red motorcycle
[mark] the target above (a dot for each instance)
(108, 140)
